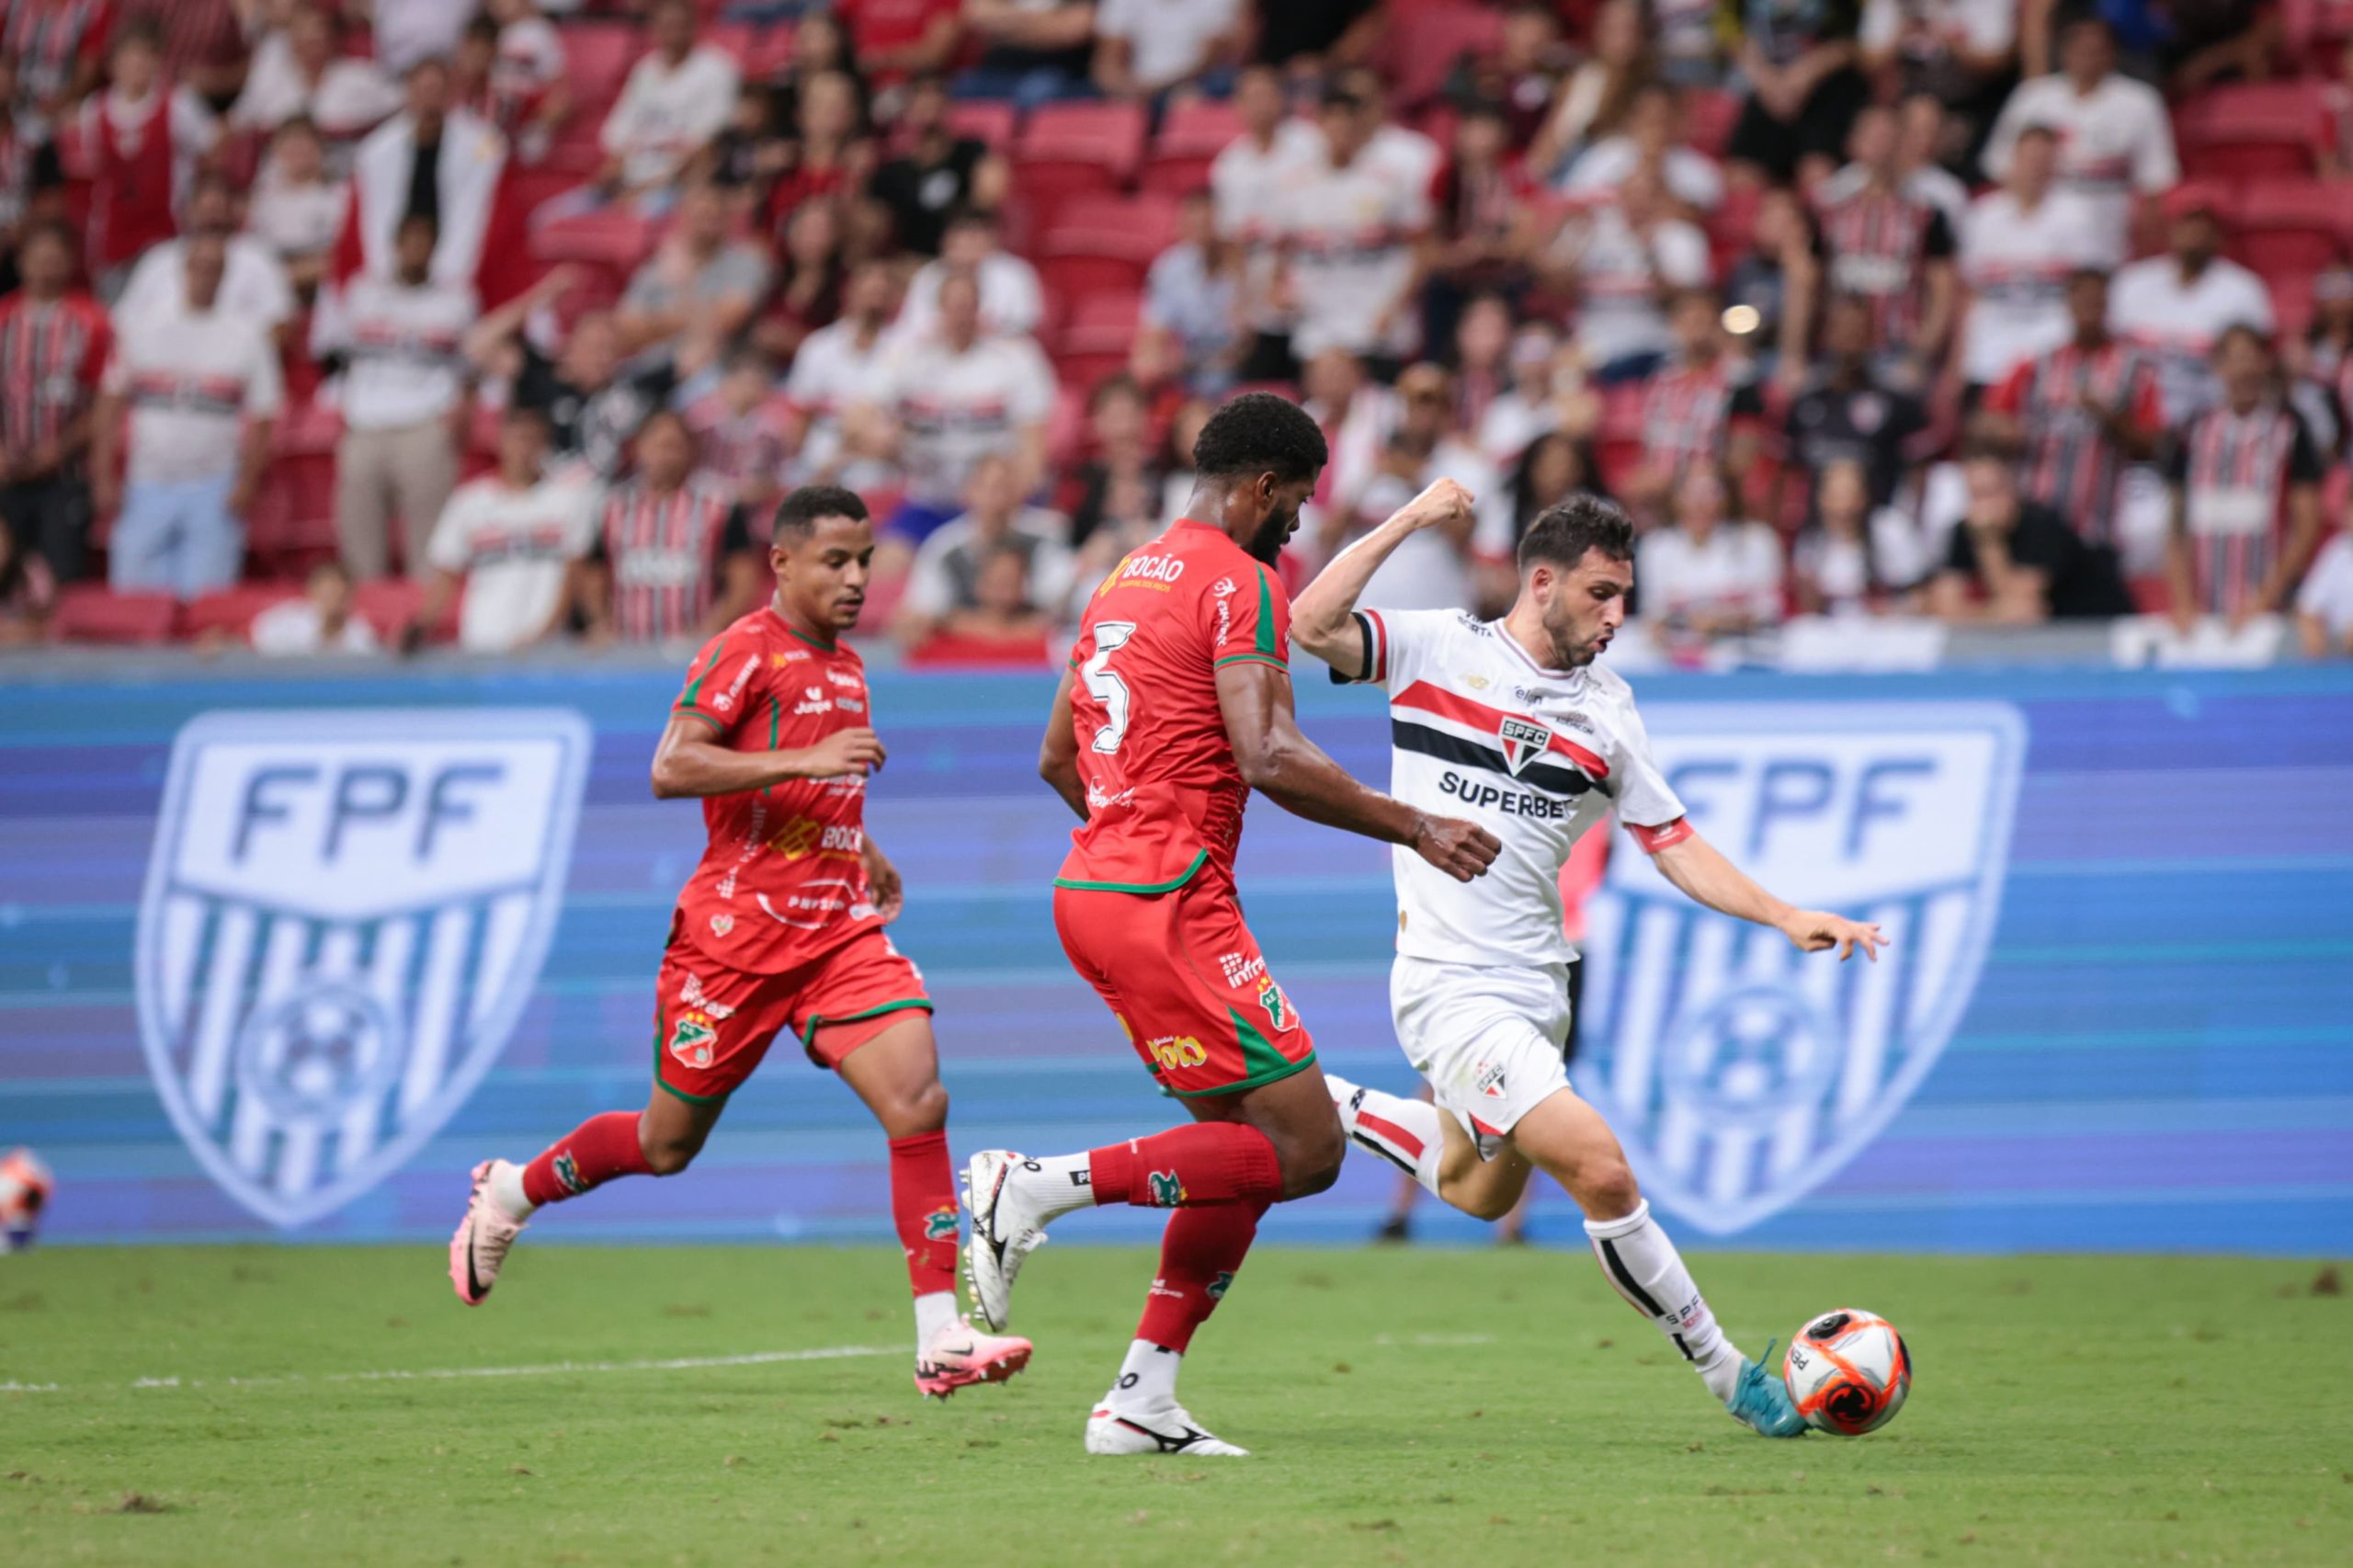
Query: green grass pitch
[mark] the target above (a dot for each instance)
(1404, 1406)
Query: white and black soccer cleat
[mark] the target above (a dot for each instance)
(1006, 1228)
(1167, 1430)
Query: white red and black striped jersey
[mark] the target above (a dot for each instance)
(1878, 242)
(405, 345)
(2176, 319)
(191, 389)
(2071, 465)
(1479, 730)
(664, 549)
(52, 354)
(1688, 410)
(2233, 472)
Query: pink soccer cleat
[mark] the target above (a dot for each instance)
(960, 1355)
(479, 1248)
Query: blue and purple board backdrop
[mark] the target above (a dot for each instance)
(289, 971)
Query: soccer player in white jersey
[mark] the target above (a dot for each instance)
(1511, 723)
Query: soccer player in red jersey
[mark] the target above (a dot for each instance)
(780, 928)
(1177, 705)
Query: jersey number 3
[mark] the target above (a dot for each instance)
(1107, 688)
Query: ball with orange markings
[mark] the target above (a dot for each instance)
(1848, 1372)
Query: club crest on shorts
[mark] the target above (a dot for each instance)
(345, 913)
(1524, 740)
(1740, 1074)
(1276, 1004)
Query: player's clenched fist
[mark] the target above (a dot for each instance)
(1443, 501)
(844, 751)
(1462, 850)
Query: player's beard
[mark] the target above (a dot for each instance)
(1267, 544)
(1568, 652)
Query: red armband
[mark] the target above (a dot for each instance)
(1665, 835)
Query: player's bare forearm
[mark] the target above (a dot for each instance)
(1057, 752)
(1321, 616)
(1700, 872)
(689, 763)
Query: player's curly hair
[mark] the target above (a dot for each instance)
(1562, 534)
(798, 513)
(1261, 433)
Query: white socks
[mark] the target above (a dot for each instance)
(506, 1189)
(1404, 1133)
(1147, 1378)
(935, 1311)
(1056, 1184)
(1643, 1266)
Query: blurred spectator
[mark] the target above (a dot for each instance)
(591, 402)
(1305, 34)
(1004, 617)
(947, 575)
(27, 594)
(894, 40)
(302, 72)
(696, 292)
(256, 288)
(1652, 139)
(1889, 249)
(324, 621)
(2326, 351)
(1177, 475)
(1532, 402)
(1593, 100)
(2245, 481)
(954, 397)
(1389, 144)
(2081, 410)
(1437, 569)
(139, 143)
(937, 173)
(1961, 53)
(743, 428)
(749, 155)
(1149, 49)
(1351, 236)
(2324, 604)
(2215, 41)
(837, 369)
(1484, 231)
(1033, 51)
(398, 341)
(1690, 41)
(509, 539)
(1924, 135)
(1012, 299)
(678, 97)
(1117, 484)
(1620, 261)
(808, 292)
(829, 153)
(2114, 138)
(1849, 414)
(1707, 576)
(1482, 339)
(296, 207)
(407, 32)
(1519, 77)
(2015, 562)
(1772, 288)
(1194, 291)
(203, 43)
(1356, 418)
(30, 170)
(192, 399)
(672, 556)
(2019, 247)
(2177, 306)
(1556, 466)
(1852, 557)
(1701, 407)
(54, 342)
(530, 96)
(1800, 61)
(1249, 180)
(59, 49)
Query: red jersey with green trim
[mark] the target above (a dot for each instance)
(783, 880)
(1164, 795)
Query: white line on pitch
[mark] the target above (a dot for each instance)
(547, 1370)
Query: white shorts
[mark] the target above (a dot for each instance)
(1488, 1039)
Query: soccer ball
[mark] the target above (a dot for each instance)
(1848, 1372)
(25, 1189)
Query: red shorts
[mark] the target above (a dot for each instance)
(712, 1024)
(1184, 977)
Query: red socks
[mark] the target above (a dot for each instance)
(593, 1153)
(922, 1204)
(1200, 1162)
(1199, 1254)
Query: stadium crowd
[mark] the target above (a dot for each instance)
(507, 319)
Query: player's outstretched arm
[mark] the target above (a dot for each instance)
(1700, 872)
(1057, 752)
(1287, 767)
(689, 762)
(1321, 616)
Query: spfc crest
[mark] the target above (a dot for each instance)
(1524, 740)
(1739, 1072)
(345, 913)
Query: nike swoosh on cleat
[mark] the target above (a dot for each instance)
(473, 1283)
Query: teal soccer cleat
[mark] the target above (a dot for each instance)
(1762, 1402)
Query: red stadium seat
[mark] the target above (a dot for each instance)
(1070, 150)
(610, 239)
(389, 604)
(1094, 341)
(232, 610)
(984, 119)
(92, 612)
(2289, 228)
(597, 57)
(1191, 136)
(1421, 45)
(1105, 243)
(2251, 131)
